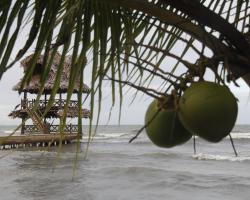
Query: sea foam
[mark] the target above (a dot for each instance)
(240, 135)
(201, 156)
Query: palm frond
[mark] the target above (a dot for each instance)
(137, 41)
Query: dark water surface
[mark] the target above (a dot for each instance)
(116, 170)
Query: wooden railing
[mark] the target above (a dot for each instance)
(58, 103)
(32, 129)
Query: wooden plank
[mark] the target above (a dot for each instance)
(31, 139)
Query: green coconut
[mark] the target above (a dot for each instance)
(165, 130)
(208, 110)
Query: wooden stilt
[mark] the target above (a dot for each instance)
(23, 106)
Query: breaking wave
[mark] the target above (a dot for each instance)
(240, 135)
(221, 157)
(101, 136)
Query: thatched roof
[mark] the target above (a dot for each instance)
(34, 84)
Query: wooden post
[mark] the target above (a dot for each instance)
(24, 104)
(60, 100)
(25, 96)
(45, 99)
(45, 103)
(23, 126)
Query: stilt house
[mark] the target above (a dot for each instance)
(45, 125)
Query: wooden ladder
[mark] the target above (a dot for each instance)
(37, 120)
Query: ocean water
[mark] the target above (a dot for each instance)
(117, 170)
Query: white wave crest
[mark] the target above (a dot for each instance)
(108, 136)
(240, 135)
(221, 157)
(8, 131)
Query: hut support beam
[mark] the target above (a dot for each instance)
(45, 103)
(23, 118)
(23, 126)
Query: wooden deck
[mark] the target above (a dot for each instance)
(36, 140)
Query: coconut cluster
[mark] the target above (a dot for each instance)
(206, 109)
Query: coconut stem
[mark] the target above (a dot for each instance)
(149, 122)
(194, 144)
(232, 142)
(149, 91)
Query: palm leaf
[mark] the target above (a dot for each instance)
(134, 41)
